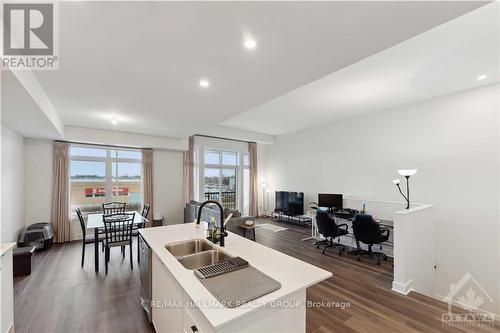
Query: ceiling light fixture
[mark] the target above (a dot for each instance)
(204, 83)
(481, 77)
(114, 120)
(250, 44)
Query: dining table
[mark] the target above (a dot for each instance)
(95, 221)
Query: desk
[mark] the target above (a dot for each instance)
(383, 223)
(95, 221)
(349, 240)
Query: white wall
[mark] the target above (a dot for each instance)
(38, 180)
(115, 138)
(167, 179)
(452, 140)
(12, 185)
(168, 185)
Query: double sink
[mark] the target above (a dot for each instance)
(196, 253)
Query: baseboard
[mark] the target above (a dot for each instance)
(401, 288)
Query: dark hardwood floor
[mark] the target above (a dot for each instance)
(60, 296)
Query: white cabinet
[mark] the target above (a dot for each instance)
(173, 313)
(7, 289)
(167, 300)
(189, 325)
(170, 313)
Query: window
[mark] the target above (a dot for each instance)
(88, 182)
(212, 157)
(102, 174)
(220, 176)
(229, 158)
(221, 173)
(126, 181)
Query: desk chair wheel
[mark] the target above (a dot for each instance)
(378, 262)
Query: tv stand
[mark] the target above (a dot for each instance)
(302, 220)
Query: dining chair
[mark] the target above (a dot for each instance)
(114, 207)
(135, 232)
(86, 239)
(118, 229)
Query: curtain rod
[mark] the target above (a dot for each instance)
(100, 145)
(220, 138)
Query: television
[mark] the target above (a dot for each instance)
(330, 200)
(289, 203)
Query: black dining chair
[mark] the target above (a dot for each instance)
(145, 210)
(118, 229)
(114, 207)
(86, 239)
(135, 231)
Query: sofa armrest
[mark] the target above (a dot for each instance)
(241, 219)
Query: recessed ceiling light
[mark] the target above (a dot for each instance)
(114, 120)
(250, 44)
(482, 77)
(204, 83)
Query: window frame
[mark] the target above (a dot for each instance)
(108, 163)
(241, 150)
(222, 167)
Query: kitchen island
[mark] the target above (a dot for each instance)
(181, 303)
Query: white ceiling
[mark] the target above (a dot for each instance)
(444, 60)
(142, 60)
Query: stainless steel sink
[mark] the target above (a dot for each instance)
(185, 248)
(202, 259)
(196, 253)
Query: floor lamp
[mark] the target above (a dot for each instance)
(264, 187)
(407, 173)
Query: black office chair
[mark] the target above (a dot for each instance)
(118, 228)
(329, 229)
(368, 231)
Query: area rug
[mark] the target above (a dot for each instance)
(271, 227)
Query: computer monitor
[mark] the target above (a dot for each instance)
(330, 200)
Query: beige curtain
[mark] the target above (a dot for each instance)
(147, 179)
(189, 172)
(60, 216)
(254, 188)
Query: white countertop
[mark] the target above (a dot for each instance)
(293, 274)
(6, 247)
